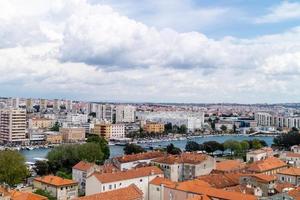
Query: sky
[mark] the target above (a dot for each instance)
(189, 51)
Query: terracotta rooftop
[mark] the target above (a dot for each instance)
(295, 193)
(241, 189)
(139, 156)
(55, 181)
(191, 158)
(262, 177)
(229, 165)
(279, 187)
(159, 181)
(17, 195)
(128, 193)
(125, 175)
(266, 165)
(83, 166)
(221, 180)
(290, 171)
(211, 192)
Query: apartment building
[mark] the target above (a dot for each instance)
(53, 137)
(29, 105)
(103, 182)
(40, 123)
(186, 166)
(72, 134)
(12, 125)
(43, 104)
(109, 131)
(104, 112)
(125, 114)
(277, 120)
(154, 127)
(61, 189)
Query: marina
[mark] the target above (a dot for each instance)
(117, 150)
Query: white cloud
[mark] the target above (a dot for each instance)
(92, 52)
(282, 12)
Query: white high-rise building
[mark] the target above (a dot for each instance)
(56, 105)
(29, 105)
(43, 104)
(12, 125)
(125, 113)
(104, 112)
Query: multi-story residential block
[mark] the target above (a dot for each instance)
(53, 137)
(259, 154)
(103, 182)
(268, 166)
(277, 120)
(36, 136)
(12, 125)
(41, 123)
(291, 158)
(81, 171)
(61, 189)
(125, 114)
(186, 166)
(192, 120)
(56, 105)
(29, 105)
(290, 175)
(131, 192)
(73, 134)
(109, 131)
(104, 112)
(43, 104)
(127, 162)
(154, 127)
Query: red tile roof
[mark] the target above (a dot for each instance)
(211, 192)
(295, 193)
(229, 165)
(83, 166)
(159, 181)
(191, 158)
(266, 165)
(292, 171)
(128, 193)
(18, 195)
(125, 175)
(221, 180)
(140, 156)
(55, 181)
(292, 155)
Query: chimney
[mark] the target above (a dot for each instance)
(152, 172)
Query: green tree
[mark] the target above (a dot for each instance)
(223, 128)
(12, 167)
(168, 127)
(171, 149)
(133, 149)
(103, 144)
(192, 146)
(244, 145)
(183, 129)
(256, 144)
(41, 168)
(64, 157)
(44, 193)
(55, 127)
(285, 141)
(233, 146)
(64, 175)
(212, 146)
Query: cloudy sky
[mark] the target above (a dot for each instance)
(244, 51)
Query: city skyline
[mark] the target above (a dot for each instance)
(151, 51)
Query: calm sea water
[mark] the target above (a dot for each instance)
(118, 150)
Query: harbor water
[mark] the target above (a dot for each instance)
(32, 155)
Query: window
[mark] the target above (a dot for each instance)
(282, 178)
(141, 180)
(115, 186)
(157, 189)
(120, 184)
(103, 188)
(110, 187)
